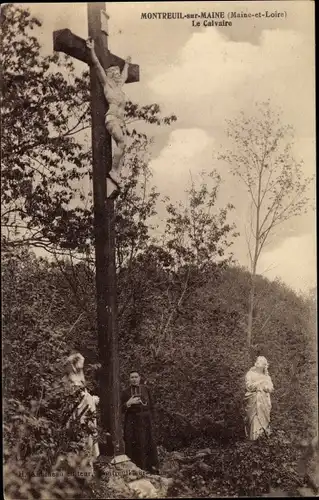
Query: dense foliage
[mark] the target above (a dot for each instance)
(45, 147)
(197, 374)
(182, 300)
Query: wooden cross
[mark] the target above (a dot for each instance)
(65, 41)
(109, 384)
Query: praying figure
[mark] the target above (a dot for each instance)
(83, 412)
(257, 400)
(138, 433)
(112, 81)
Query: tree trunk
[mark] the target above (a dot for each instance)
(250, 316)
(251, 304)
(253, 271)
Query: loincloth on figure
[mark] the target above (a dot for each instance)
(114, 119)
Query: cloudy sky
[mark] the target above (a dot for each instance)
(205, 75)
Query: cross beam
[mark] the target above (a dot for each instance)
(104, 216)
(65, 41)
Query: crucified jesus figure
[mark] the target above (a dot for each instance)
(112, 81)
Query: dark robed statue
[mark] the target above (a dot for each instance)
(137, 406)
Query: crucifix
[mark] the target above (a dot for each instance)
(65, 41)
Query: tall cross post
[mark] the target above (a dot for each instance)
(104, 215)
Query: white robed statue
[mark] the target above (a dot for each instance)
(85, 408)
(257, 400)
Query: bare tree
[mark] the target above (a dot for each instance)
(261, 157)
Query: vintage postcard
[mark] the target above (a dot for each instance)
(159, 249)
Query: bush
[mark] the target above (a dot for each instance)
(197, 377)
(21, 481)
(246, 469)
(44, 458)
(194, 368)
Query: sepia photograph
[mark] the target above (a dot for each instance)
(158, 250)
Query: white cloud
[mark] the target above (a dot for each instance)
(214, 77)
(186, 151)
(294, 261)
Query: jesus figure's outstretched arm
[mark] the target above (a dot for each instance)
(124, 73)
(95, 60)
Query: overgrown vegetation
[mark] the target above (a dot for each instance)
(196, 375)
(182, 301)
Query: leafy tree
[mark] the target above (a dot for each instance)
(261, 158)
(197, 234)
(45, 157)
(42, 111)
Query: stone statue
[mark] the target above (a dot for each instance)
(112, 81)
(84, 411)
(257, 399)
